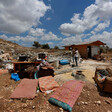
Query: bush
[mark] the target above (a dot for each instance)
(56, 47)
(45, 46)
(36, 44)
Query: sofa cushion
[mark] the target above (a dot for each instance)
(109, 80)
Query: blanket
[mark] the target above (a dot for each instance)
(67, 94)
(47, 83)
(26, 89)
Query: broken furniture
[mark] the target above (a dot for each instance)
(45, 72)
(23, 58)
(105, 84)
(22, 65)
(20, 68)
(41, 55)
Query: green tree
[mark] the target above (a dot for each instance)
(45, 46)
(36, 44)
(56, 47)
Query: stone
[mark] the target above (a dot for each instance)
(33, 107)
(85, 103)
(109, 111)
(61, 110)
(98, 102)
(78, 104)
(25, 105)
(108, 102)
(82, 102)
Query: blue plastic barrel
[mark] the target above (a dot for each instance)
(64, 62)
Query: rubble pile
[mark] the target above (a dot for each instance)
(98, 57)
(78, 75)
(60, 55)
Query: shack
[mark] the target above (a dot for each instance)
(87, 49)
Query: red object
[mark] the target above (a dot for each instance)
(47, 83)
(69, 92)
(26, 89)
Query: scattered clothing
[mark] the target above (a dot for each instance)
(26, 89)
(45, 65)
(47, 83)
(45, 69)
(67, 95)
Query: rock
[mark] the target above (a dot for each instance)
(61, 110)
(109, 111)
(25, 105)
(23, 100)
(82, 102)
(33, 107)
(85, 103)
(98, 102)
(78, 104)
(108, 102)
(11, 100)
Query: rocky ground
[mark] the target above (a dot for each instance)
(90, 100)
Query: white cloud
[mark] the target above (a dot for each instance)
(17, 16)
(50, 36)
(19, 38)
(50, 43)
(48, 18)
(92, 16)
(72, 40)
(102, 26)
(105, 37)
(37, 32)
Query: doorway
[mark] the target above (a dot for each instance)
(89, 51)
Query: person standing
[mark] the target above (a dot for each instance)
(73, 55)
(76, 56)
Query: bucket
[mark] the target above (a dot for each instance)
(56, 63)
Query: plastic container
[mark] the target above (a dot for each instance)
(15, 76)
(64, 62)
(56, 63)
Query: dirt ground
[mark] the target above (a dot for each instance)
(90, 100)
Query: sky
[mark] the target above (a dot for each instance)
(56, 22)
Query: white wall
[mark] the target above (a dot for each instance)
(94, 50)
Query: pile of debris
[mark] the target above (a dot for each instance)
(98, 57)
(78, 75)
(103, 78)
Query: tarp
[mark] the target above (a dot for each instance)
(26, 89)
(67, 94)
(47, 83)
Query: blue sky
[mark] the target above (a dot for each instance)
(56, 22)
